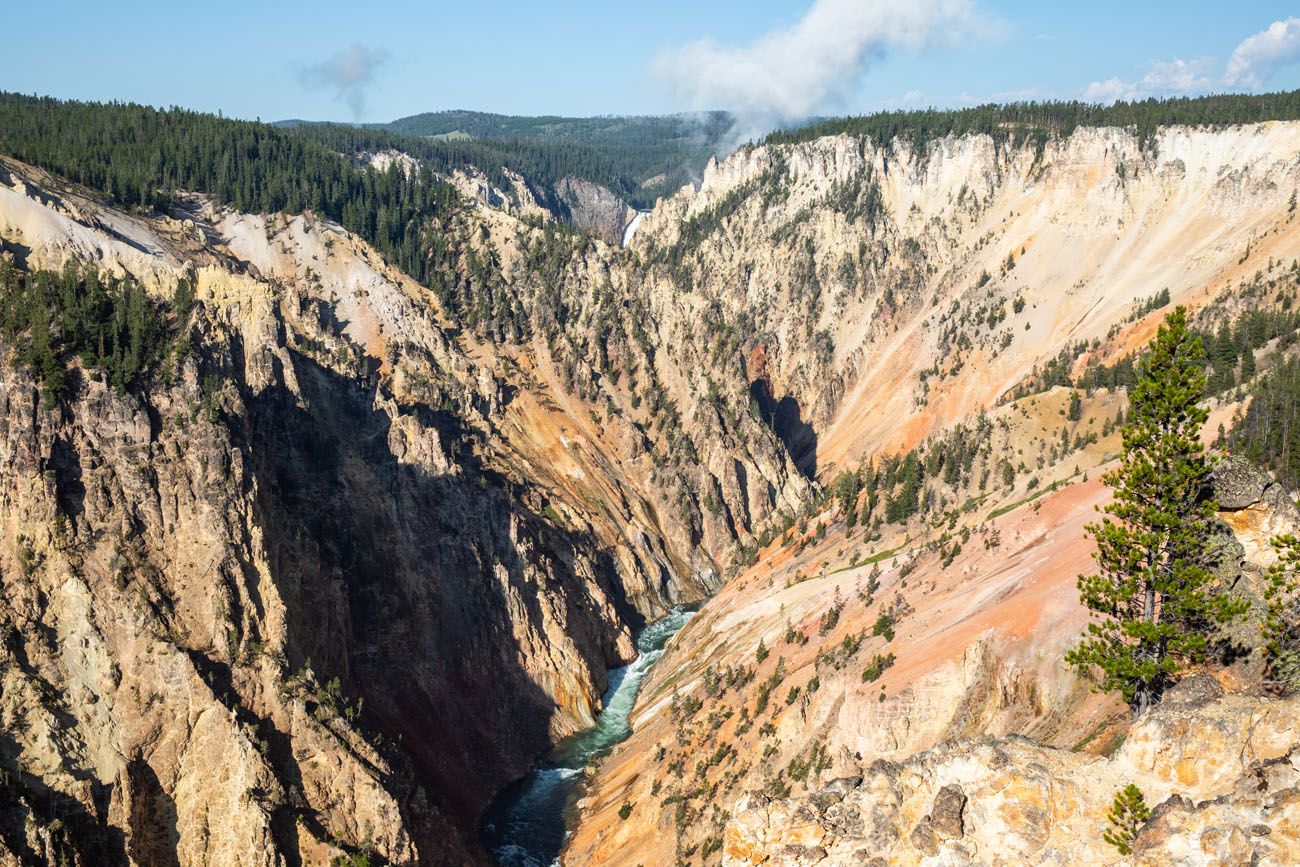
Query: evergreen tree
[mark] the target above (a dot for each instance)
(1153, 600)
(1128, 813)
(906, 503)
(1281, 628)
(111, 325)
(1039, 122)
(1269, 434)
(1248, 366)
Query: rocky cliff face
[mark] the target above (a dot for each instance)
(328, 583)
(899, 298)
(594, 208)
(350, 562)
(1220, 772)
(896, 290)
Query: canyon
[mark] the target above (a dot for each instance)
(342, 571)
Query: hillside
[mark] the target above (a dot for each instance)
(343, 521)
(914, 303)
(638, 159)
(332, 449)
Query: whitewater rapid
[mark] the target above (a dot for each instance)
(529, 822)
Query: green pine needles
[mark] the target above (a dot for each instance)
(1153, 599)
(1281, 627)
(112, 324)
(1128, 813)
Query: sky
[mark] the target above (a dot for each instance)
(771, 61)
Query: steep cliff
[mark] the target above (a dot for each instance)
(374, 564)
(360, 549)
(594, 208)
(898, 289)
(912, 302)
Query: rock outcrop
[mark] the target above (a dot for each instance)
(594, 208)
(1222, 774)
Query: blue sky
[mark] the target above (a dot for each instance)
(382, 60)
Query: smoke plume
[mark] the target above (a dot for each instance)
(349, 73)
(812, 66)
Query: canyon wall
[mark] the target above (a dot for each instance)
(375, 565)
(348, 562)
(903, 298)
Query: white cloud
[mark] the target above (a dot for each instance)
(1171, 78)
(792, 73)
(1250, 67)
(1261, 55)
(349, 73)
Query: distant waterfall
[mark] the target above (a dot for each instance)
(631, 227)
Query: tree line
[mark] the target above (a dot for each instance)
(542, 164)
(640, 158)
(1038, 122)
(110, 323)
(1269, 432)
(139, 157)
(1229, 356)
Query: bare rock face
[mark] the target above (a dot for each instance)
(1238, 484)
(346, 566)
(1220, 772)
(516, 198)
(594, 208)
(335, 577)
(1255, 506)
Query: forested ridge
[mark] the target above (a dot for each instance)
(140, 156)
(640, 158)
(542, 164)
(1037, 122)
(637, 130)
(649, 156)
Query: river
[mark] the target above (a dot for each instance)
(530, 820)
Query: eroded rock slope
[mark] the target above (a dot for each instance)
(345, 565)
(335, 576)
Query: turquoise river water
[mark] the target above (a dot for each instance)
(530, 820)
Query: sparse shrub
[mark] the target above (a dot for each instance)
(1281, 627)
(884, 626)
(359, 859)
(877, 667)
